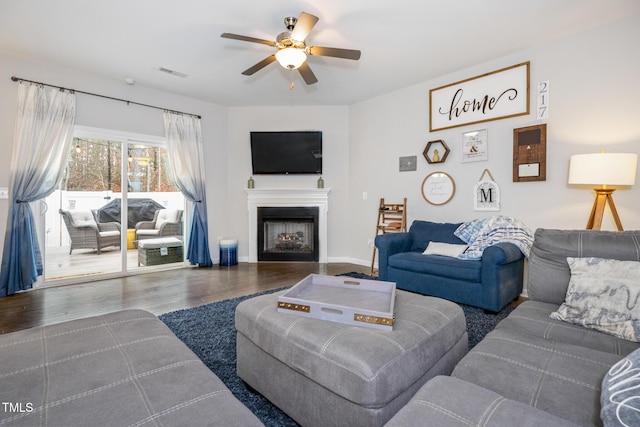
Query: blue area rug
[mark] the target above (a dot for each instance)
(209, 331)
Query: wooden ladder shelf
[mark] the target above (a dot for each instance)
(392, 218)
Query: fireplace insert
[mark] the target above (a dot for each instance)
(288, 234)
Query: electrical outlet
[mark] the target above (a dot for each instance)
(365, 196)
(4, 193)
(370, 242)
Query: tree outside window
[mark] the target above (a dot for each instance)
(96, 165)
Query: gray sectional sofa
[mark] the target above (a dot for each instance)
(123, 368)
(128, 368)
(533, 370)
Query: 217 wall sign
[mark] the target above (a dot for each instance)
(543, 100)
(496, 95)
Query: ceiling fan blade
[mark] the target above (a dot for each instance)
(335, 52)
(306, 73)
(304, 26)
(247, 39)
(260, 65)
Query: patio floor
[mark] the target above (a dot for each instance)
(85, 262)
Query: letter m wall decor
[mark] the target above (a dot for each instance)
(492, 96)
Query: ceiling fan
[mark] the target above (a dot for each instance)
(292, 50)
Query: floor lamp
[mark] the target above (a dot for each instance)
(603, 169)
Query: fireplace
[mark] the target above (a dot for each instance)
(288, 197)
(288, 233)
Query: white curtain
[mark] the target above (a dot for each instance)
(43, 136)
(186, 161)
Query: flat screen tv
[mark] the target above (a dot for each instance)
(298, 152)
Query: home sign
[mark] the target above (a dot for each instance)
(496, 95)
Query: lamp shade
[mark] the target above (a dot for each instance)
(603, 168)
(291, 57)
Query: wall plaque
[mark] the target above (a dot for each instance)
(496, 95)
(486, 194)
(530, 153)
(438, 188)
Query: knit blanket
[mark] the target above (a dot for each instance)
(479, 234)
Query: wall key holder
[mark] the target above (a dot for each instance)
(530, 153)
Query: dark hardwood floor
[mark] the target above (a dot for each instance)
(158, 292)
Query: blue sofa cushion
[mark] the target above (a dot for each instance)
(423, 232)
(437, 265)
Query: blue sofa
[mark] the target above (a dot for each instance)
(489, 283)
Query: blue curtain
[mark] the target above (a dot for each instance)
(186, 161)
(43, 135)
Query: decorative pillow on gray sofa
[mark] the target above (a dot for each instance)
(620, 396)
(603, 294)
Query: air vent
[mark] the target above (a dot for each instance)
(172, 72)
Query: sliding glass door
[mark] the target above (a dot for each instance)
(114, 195)
(76, 245)
(155, 209)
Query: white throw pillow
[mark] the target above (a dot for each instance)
(603, 294)
(83, 219)
(445, 249)
(166, 215)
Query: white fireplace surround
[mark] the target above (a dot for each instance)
(288, 197)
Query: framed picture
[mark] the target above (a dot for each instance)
(408, 163)
(438, 188)
(475, 146)
(496, 95)
(436, 151)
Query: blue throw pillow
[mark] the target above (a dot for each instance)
(620, 397)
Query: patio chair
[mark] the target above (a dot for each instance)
(166, 222)
(86, 233)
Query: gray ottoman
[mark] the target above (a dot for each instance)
(325, 373)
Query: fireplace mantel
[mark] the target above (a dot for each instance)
(273, 197)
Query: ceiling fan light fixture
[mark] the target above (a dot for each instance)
(293, 49)
(291, 57)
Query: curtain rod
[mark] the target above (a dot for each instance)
(16, 79)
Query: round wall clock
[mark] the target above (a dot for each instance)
(438, 188)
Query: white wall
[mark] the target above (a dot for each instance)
(593, 105)
(108, 114)
(333, 121)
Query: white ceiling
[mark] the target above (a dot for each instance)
(403, 42)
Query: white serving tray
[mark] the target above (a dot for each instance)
(358, 302)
